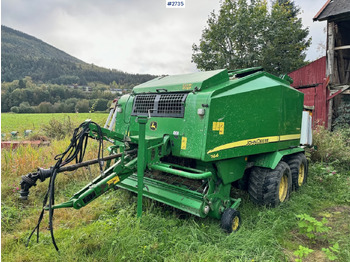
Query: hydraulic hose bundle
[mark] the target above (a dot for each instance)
(75, 151)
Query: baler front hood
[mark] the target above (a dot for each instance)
(183, 83)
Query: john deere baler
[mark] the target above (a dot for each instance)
(185, 140)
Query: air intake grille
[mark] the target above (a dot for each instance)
(163, 105)
(143, 103)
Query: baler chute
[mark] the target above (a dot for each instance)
(195, 135)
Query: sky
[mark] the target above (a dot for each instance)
(133, 36)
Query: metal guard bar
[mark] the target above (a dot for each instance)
(185, 172)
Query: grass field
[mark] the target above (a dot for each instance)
(108, 230)
(21, 122)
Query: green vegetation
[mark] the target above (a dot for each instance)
(245, 34)
(302, 252)
(332, 148)
(108, 229)
(331, 252)
(24, 96)
(316, 232)
(24, 55)
(310, 226)
(38, 122)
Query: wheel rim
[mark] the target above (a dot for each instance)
(301, 175)
(282, 194)
(235, 223)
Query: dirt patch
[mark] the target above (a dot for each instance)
(338, 219)
(317, 255)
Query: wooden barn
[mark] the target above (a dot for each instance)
(326, 81)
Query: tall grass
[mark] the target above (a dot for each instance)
(332, 147)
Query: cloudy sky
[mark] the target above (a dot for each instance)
(134, 36)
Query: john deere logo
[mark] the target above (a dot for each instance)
(153, 125)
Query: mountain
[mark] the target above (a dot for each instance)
(24, 55)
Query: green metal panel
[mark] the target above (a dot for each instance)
(231, 170)
(187, 134)
(257, 114)
(188, 82)
(181, 198)
(271, 160)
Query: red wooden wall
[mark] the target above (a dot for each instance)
(311, 80)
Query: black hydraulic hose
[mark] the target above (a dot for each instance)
(75, 151)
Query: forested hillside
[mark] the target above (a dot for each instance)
(39, 78)
(24, 96)
(24, 55)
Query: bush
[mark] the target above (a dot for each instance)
(82, 106)
(59, 129)
(15, 109)
(331, 147)
(45, 107)
(25, 108)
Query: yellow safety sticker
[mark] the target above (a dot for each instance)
(114, 180)
(183, 143)
(186, 86)
(219, 126)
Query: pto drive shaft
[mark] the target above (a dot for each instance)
(30, 179)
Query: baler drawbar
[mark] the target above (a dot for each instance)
(187, 140)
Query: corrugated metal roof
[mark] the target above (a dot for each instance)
(332, 9)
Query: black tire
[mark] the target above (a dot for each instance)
(230, 220)
(270, 187)
(299, 168)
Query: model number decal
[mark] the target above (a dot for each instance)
(214, 155)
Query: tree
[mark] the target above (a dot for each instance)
(289, 5)
(101, 104)
(21, 84)
(69, 105)
(45, 107)
(286, 41)
(82, 106)
(247, 35)
(25, 108)
(15, 109)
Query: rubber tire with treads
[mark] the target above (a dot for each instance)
(228, 219)
(294, 162)
(264, 184)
